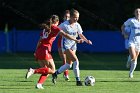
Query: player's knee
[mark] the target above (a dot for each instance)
(68, 65)
(53, 71)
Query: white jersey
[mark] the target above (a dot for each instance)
(134, 37)
(127, 31)
(72, 31)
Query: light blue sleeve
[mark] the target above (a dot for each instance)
(128, 22)
(80, 31)
(62, 26)
(128, 25)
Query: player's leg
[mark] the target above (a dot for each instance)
(129, 57)
(128, 62)
(48, 64)
(66, 72)
(48, 68)
(76, 70)
(134, 54)
(42, 70)
(71, 56)
(63, 57)
(60, 70)
(43, 77)
(45, 59)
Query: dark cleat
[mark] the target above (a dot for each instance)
(79, 83)
(54, 77)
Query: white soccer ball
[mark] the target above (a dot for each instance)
(89, 81)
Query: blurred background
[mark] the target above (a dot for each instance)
(100, 19)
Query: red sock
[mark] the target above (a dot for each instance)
(42, 78)
(42, 71)
(66, 73)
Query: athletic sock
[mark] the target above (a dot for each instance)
(133, 66)
(77, 78)
(76, 70)
(129, 58)
(66, 72)
(128, 64)
(42, 78)
(41, 71)
(63, 68)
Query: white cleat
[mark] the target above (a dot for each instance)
(66, 78)
(29, 73)
(39, 86)
(130, 75)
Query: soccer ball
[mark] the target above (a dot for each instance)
(89, 81)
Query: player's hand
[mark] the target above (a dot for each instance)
(89, 42)
(125, 36)
(80, 41)
(35, 57)
(35, 54)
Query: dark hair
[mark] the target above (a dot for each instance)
(67, 12)
(73, 12)
(47, 24)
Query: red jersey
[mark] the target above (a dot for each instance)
(47, 39)
(43, 51)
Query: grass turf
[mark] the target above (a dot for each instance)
(108, 69)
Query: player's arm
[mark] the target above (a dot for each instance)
(85, 39)
(39, 42)
(123, 31)
(70, 37)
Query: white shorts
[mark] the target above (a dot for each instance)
(72, 47)
(134, 45)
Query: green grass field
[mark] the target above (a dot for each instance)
(108, 69)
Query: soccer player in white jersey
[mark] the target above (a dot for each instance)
(134, 39)
(73, 28)
(126, 32)
(60, 51)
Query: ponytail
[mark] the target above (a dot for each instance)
(47, 24)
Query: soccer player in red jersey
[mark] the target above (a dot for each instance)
(62, 53)
(43, 50)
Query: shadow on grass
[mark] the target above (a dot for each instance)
(88, 61)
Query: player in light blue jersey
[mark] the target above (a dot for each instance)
(60, 49)
(126, 33)
(73, 28)
(134, 39)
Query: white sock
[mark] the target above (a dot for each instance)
(133, 66)
(129, 58)
(76, 68)
(64, 67)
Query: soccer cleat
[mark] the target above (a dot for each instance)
(54, 77)
(79, 83)
(39, 86)
(29, 73)
(130, 75)
(66, 78)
